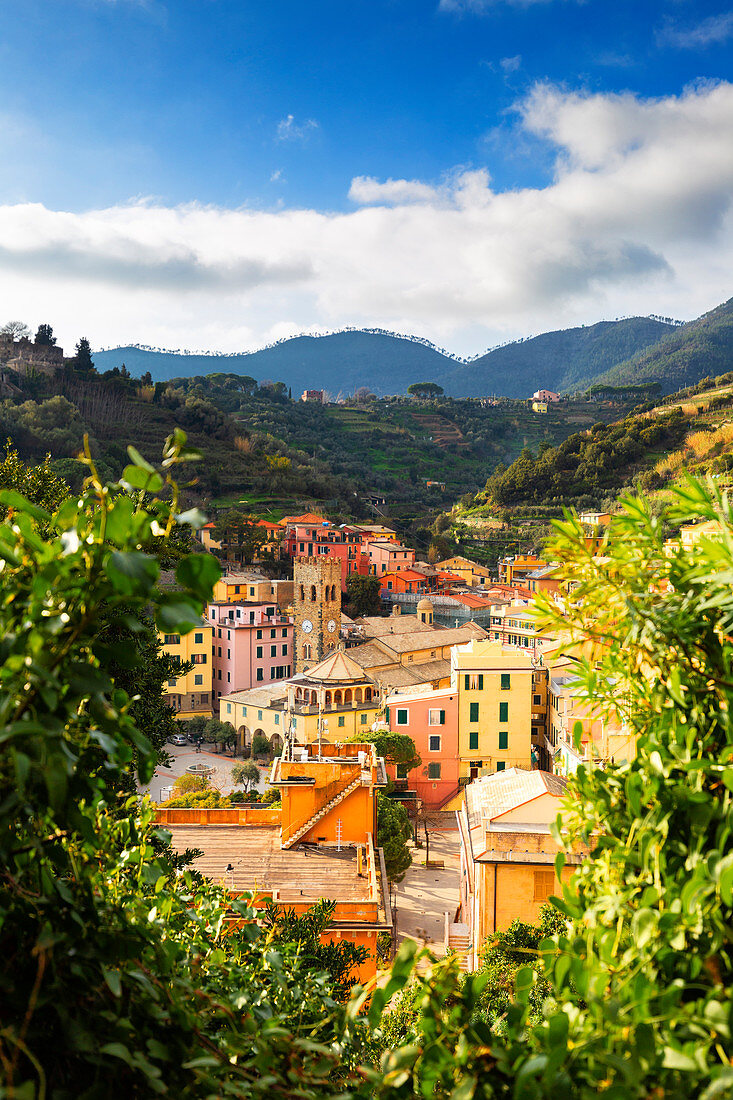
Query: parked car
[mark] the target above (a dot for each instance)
(178, 739)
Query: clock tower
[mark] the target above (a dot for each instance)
(316, 609)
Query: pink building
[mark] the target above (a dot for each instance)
(389, 557)
(545, 395)
(252, 644)
(313, 539)
(430, 718)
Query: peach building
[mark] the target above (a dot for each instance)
(319, 844)
(507, 854)
(430, 718)
(601, 739)
(389, 557)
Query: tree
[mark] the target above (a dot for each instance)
(337, 960)
(220, 733)
(393, 832)
(260, 745)
(428, 390)
(83, 358)
(188, 783)
(113, 962)
(363, 595)
(239, 535)
(246, 775)
(398, 749)
(44, 335)
(38, 484)
(17, 329)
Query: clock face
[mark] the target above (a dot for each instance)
(332, 625)
(307, 626)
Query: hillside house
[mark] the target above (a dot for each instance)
(546, 396)
(313, 397)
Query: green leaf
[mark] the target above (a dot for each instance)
(199, 572)
(139, 477)
(11, 499)
(138, 459)
(112, 978)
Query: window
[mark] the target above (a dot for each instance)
(503, 740)
(363, 719)
(171, 639)
(229, 708)
(273, 633)
(536, 700)
(199, 658)
(500, 765)
(198, 680)
(473, 712)
(259, 715)
(236, 588)
(277, 719)
(503, 712)
(402, 771)
(260, 674)
(284, 633)
(342, 720)
(436, 717)
(273, 651)
(473, 739)
(434, 742)
(433, 771)
(198, 639)
(285, 651)
(474, 681)
(258, 653)
(171, 683)
(229, 655)
(401, 717)
(259, 635)
(386, 715)
(506, 681)
(229, 677)
(544, 884)
(251, 591)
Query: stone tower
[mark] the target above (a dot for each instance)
(316, 609)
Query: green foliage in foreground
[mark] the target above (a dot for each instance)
(119, 973)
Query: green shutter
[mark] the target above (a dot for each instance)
(500, 765)
(467, 681)
(504, 740)
(506, 681)
(473, 739)
(503, 712)
(473, 715)
(481, 681)
(386, 715)
(442, 717)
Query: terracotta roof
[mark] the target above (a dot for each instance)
(307, 517)
(469, 600)
(492, 796)
(430, 639)
(406, 574)
(369, 655)
(376, 626)
(339, 667)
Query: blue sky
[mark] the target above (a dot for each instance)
(278, 107)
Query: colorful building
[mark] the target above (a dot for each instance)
(545, 395)
(430, 718)
(252, 643)
(507, 854)
(602, 739)
(190, 695)
(494, 687)
(389, 557)
(320, 843)
(470, 572)
(334, 700)
(513, 570)
(322, 538)
(238, 586)
(408, 580)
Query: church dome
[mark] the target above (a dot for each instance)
(424, 605)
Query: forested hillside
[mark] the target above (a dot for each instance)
(387, 364)
(694, 351)
(558, 361)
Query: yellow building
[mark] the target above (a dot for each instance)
(470, 571)
(507, 854)
(539, 406)
(495, 692)
(190, 694)
(513, 570)
(233, 587)
(335, 699)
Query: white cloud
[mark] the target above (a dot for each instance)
(511, 64)
(478, 6)
(290, 130)
(636, 219)
(710, 32)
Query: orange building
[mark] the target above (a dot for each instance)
(318, 844)
(513, 570)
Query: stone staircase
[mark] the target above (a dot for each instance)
(307, 825)
(458, 943)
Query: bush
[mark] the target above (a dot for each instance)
(260, 746)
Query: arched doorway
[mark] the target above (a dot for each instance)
(244, 738)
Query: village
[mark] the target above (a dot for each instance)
(457, 663)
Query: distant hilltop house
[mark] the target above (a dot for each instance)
(539, 406)
(26, 357)
(435, 485)
(314, 396)
(545, 395)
